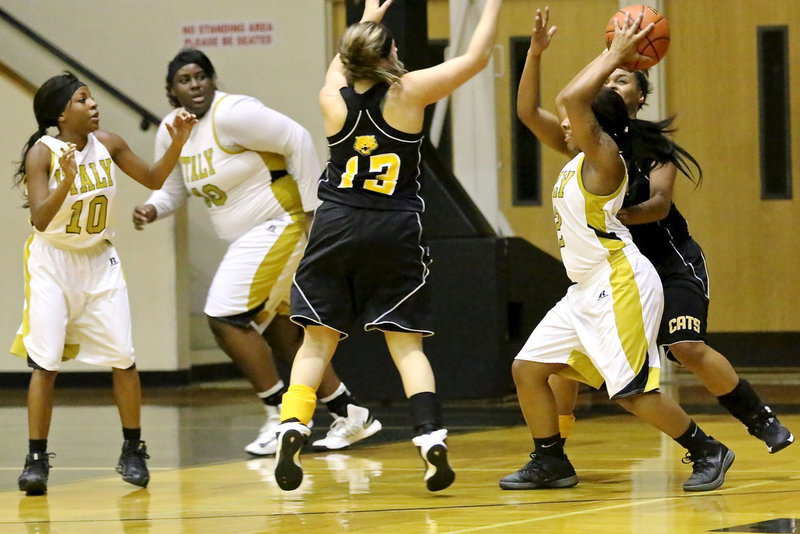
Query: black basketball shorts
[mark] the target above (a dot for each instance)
(685, 280)
(363, 265)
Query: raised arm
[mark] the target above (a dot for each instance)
(604, 169)
(153, 175)
(44, 203)
(172, 195)
(544, 124)
(426, 86)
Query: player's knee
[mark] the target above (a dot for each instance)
(688, 353)
(44, 374)
(526, 373)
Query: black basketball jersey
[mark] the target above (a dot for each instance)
(372, 165)
(654, 239)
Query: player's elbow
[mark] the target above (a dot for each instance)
(40, 223)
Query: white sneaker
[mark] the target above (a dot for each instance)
(345, 431)
(438, 473)
(265, 444)
(290, 437)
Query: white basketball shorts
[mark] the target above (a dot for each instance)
(76, 306)
(258, 268)
(605, 327)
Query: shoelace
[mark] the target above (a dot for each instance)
(698, 462)
(535, 462)
(344, 427)
(141, 451)
(762, 420)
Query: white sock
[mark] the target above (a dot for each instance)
(341, 389)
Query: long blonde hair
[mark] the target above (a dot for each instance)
(365, 50)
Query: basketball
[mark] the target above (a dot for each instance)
(654, 45)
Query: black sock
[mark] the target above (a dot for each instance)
(743, 402)
(694, 439)
(37, 446)
(426, 412)
(275, 399)
(549, 446)
(132, 434)
(338, 404)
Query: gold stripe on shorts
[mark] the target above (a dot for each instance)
(17, 346)
(71, 350)
(628, 312)
(274, 264)
(582, 369)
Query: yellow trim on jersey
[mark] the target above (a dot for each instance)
(214, 128)
(273, 161)
(628, 312)
(288, 196)
(587, 194)
(593, 205)
(273, 264)
(582, 369)
(18, 346)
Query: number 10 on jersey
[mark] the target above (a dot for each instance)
(388, 165)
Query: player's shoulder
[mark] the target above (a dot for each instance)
(227, 102)
(109, 140)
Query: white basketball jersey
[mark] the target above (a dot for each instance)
(587, 227)
(240, 187)
(85, 217)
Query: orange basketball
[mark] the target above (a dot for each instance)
(654, 45)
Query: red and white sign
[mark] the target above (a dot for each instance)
(235, 34)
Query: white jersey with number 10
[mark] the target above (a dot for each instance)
(85, 217)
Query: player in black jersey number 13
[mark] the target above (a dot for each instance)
(366, 258)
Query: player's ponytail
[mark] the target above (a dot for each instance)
(19, 176)
(366, 53)
(651, 145)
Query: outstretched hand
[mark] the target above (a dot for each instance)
(181, 127)
(374, 11)
(626, 40)
(541, 37)
(67, 161)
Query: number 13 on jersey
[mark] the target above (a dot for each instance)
(388, 165)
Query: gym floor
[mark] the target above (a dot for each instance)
(203, 482)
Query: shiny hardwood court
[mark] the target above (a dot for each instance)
(202, 482)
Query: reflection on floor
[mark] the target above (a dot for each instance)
(203, 482)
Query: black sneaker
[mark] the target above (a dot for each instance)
(766, 427)
(542, 472)
(132, 463)
(708, 467)
(292, 435)
(33, 480)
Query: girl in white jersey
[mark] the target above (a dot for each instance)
(604, 330)
(76, 303)
(257, 171)
(662, 234)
